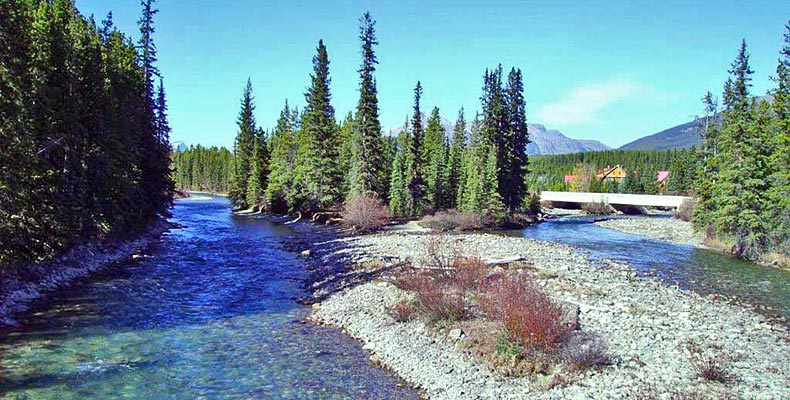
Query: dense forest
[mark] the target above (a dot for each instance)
(83, 130)
(310, 162)
(744, 179)
(204, 169)
(548, 172)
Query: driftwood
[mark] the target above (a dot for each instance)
(298, 217)
(332, 221)
(324, 216)
(505, 260)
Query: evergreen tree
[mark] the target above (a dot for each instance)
(516, 190)
(434, 153)
(416, 167)
(259, 171)
(779, 193)
(400, 203)
(243, 149)
(318, 177)
(367, 172)
(455, 161)
(283, 160)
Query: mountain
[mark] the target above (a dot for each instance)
(552, 141)
(682, 136)
(677, 137)
(544, 141)
(178, 146)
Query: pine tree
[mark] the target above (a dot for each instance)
(282, 147)
(367, 172)
(318, 158)
(519, 139)
(779, 193)
(455, 161)
(259, 171)
(494, 206)
(400, 203)
(243, 149)
(416, 167)
(434, 153)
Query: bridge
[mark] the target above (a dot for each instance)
(614, 199)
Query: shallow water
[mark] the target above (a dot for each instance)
(211, 314)
(703, 271)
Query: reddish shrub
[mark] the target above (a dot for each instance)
(365, 213)
(468, 273)
(403, 311)
(438, 300)
(530, 317)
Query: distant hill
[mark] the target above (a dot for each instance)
(544, 141)
(677, 137)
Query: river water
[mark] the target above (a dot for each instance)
(210, 314)
(704, 271)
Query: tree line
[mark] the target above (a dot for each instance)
(206, 169)
(311, 162)
(642, 166)
(84, 131)
(744, 169)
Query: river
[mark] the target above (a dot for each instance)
(704, 271)
(210, 312)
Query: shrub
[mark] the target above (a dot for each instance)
(452, 220)
(403, 311)
(597, 208)
(685, 211)
(438, 300)
(710, 367)
(365, 213)
(468, 273)
(530, 317)
(583, 352)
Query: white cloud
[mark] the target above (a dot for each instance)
(583, 104)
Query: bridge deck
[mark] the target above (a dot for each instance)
(614, 198)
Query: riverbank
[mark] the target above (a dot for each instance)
(648, 326)
(21, 289)
(662, 229)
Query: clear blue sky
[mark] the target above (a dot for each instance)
(607, 70)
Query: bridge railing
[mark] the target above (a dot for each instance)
(644, 200)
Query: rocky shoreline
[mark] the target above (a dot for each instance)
(647, 325)
(20, 290)
(662, 229)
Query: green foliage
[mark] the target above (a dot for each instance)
(367, 172)
(259, 173)
(84, 134)
(203, 169)
(243, 150)
(744, 164)
(434, 154)
(282, 146)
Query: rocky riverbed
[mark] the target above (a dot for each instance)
(664, 229)
(647, 325)
(21, 288)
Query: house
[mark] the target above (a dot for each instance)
(661, 177)
(611, 175)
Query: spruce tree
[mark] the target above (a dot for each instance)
(318, 174)
(400, 203)
(455, 161)
(779, 193)
(243, 149)
(282, 146)
(434, 153)
(416, 167)
(519, 139)
(367, 172)
(259, 171)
